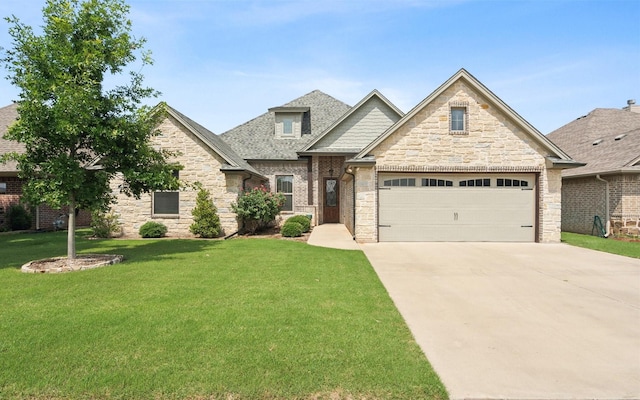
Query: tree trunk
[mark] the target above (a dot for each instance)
(71, 230)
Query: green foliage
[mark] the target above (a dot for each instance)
(302, 220)
(18, 218)
(105, 224)
(206, 222)
(152, 229)
(257, 208)
(622, 246)
(291, 229)
(70, 119)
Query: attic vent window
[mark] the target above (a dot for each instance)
(620, 136)
(597, 142)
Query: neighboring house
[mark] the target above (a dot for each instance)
(11, 185)
(608, 186)
(460, 166)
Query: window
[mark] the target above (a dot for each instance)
(481, 182)
(287, 126)
(511, 183)
(3, 187)
(284, 185)
(458, 117)
(166, 203)
(436, 182)
(400, 182)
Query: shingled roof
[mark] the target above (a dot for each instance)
(9, 115)
(255, 139)
(606, 139)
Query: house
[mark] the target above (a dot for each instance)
(11, 184)
(608, 186)
(460, 166)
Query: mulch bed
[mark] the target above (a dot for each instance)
(63, 264)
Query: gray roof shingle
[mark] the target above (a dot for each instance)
(9, 115)
(601, 126)
(255, 139)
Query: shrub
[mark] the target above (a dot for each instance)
(291, 229)
(152, 229)
(302, 220)
(258, 207)
(18, 218)
(105, 225)
(206, 222)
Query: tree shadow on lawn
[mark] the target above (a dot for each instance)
(19, 249)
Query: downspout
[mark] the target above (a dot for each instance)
(608, 224)
(353, 212)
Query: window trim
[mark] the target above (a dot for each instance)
(286, 194)
(462, 106)
(287, 122)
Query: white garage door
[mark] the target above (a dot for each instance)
(459, 208)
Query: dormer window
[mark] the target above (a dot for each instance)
(288, 121)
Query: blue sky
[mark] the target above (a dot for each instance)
(223, 63)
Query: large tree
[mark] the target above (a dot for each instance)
(78, 131)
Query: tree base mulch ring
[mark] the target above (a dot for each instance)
(63, 264)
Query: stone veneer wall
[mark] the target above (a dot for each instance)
(493, 144)
(346, 201)
(201, 164)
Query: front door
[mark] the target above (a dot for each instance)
(331, 207)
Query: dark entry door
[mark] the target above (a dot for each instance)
(331, 207)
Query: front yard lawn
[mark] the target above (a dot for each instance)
(197, 319)
(610, 245)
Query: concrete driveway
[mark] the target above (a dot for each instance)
(519, 321)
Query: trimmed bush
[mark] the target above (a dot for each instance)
(302, 220)
(105, 225)
(152, 229)
(291, 229)
(257, 208)
(206, 222)
(18, 218)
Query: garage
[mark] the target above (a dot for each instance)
(456, 207)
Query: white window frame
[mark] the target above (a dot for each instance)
(287, 126)
(286, 194)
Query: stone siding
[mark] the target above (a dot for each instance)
(493, 143)
(201, 164)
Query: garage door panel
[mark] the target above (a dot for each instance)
(457, 213)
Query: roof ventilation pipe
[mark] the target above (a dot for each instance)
(606, 207)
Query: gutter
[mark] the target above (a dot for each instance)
(608, 224)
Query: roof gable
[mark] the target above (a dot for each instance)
(552, 151)
(234, 161)
(256, 139)
(358, 127)
(607, 140)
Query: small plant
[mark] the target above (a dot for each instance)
(18, 218)
(206, 222)
(291, 229)
(302, 220)
(152, 229)
(257, 208)
(105, 225)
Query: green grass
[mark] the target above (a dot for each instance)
(240, 319)
(610, 245)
